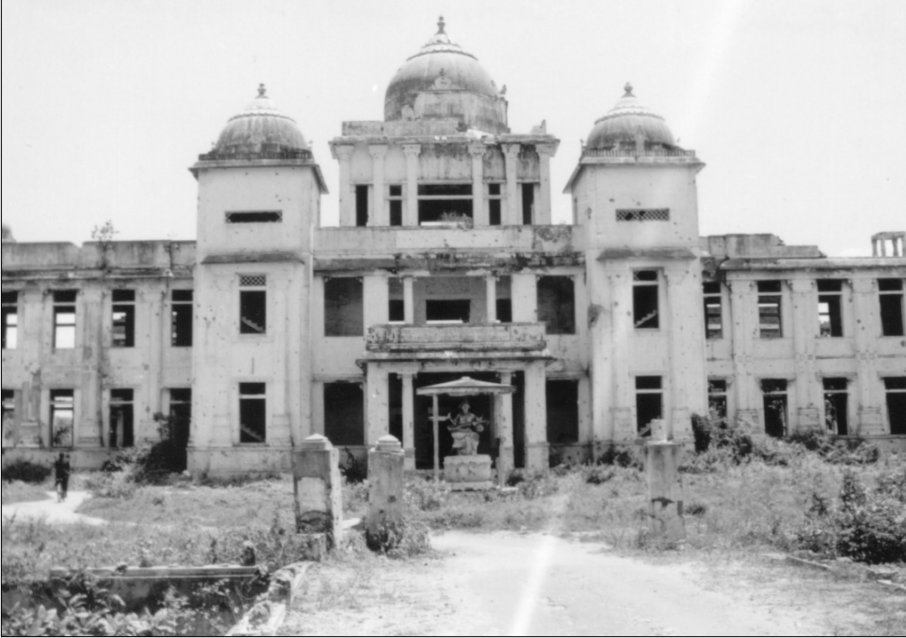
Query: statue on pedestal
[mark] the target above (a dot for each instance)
(465, 428)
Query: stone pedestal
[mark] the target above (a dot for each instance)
(665, 490)
(385, 496)
(317, 489)
(468, 472)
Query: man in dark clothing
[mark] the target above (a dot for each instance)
(61, 469)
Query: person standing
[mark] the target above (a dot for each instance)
(61, 470)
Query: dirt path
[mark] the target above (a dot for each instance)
(52, 511)
(506, 583)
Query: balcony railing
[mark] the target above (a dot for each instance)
(461, 337)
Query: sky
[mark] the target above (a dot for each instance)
(797, 107)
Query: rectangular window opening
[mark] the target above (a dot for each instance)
(361, 205)
(344, 413)
(528, 204)
(123, 335)
(122, 433)
(495, 199)
(180, 416)
(181, 318)
(440, 204)
(556, 303)
(890, 297)
(645, 305)
(396, 309)
(770, 324)
(62, 418)
(9, 417)
(830, 308)
(252, 413)
(254, 217)
(774, 399)
(10, 320)
(562, 411)
(252, 304)
(649, 402)
(448, 310)
(714, 328)
(717, 398)
(343, 307)
(643, 214)
(64, 319)
(835, 405)
(895, 388)
(395, 201)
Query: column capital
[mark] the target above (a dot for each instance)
(341, 151)
(477, 149)
(412, 150)
(511, 149)
(377, 150)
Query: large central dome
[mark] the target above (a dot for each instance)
(443, 81)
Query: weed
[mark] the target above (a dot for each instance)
(25, 471)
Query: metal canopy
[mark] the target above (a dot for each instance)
(464, 387)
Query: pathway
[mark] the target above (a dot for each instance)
(51, 511)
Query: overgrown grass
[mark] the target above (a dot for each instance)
(21, 492)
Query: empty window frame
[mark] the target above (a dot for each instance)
(645, 310)
(495, 203)
(717, 398)
(9, 415)
(343, 307)
(649, 402)
(504, 310)
(252, 304)
(181, 318)
(770, 319)
(528, 204)
(252, 413)
(448, 310)
(396, 303)
(10, 320)
(64, 318)
(395, 203)
(714, 326)
(562, 411)
(890, 297)
(254, 217)
(774, 400)
(344, 413)
(440, 203)
(836, 399)
(643, 214)
(830, 307)
(122, 413)
(895, 389)
(361, 205)
(123, 335)
(556, 303)
(62, 417)
(180, 416)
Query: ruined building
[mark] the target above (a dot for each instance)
(445, 263)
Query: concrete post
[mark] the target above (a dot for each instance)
(512, 216)
(479, 207)
(535, 416)
(490, 289)
(385, 497)
(543, 205)
(503, 413)
(410, 198)
(665, 489)
(408, 300)
(317, 489)
(381, 213)
(408, 421)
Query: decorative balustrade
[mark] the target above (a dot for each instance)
(462, 337)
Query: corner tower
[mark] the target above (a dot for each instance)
(634, 197)
(258, 199)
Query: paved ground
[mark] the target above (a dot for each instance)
(52, 511)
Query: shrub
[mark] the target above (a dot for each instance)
(426, 495)
(401, 539)
(25, 471)
(623, 456)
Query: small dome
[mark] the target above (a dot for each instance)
(444, 81)
(627, 120)
(259, 128)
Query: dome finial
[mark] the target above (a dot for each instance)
(628, 89)
(440, 25)
(262, 90)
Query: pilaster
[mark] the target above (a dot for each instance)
(381, 213)
(410, 199)
(479, 205)
(347, 198)
(511, 216)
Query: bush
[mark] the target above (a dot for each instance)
(623, 456)
(402, 539)
(25, 471)
(868, 526)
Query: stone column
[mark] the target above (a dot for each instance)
(385, 497)
(347, 197)
(376, 404)
(503, 412)
(867, 394)
(535, 414)
(511, 215)
(490, 289)
(317, 489)
(381, 214)
(543, 205)
(803, 411)
(479, 208)
(408, 421)
(410, 198)
(665, 489)
(408, 300)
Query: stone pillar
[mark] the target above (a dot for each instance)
(408, 300)
(867, 392)
(479, 207)
(410, 198)
(543, 205)
(385, 496)
(408, 421)
(535, 414)
(503, 413)
(376, 404)
(511, 214)
(490, 289)
(381, 213)
(376, 299)
(665, 489)
(347, 197)
(317, 489)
